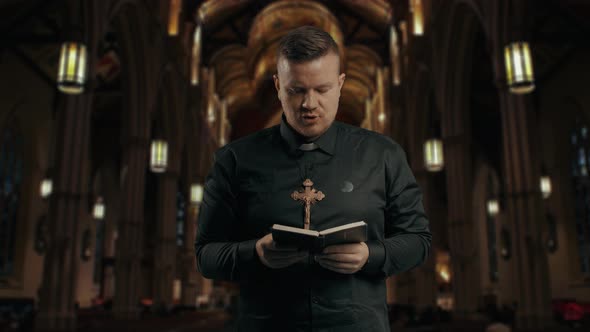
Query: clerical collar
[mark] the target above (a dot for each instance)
(326, 142)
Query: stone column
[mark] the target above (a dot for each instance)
(465, 274)
(130, 230)
(190, 280)
(524, 216)
(165, 251)
(424, 274)
(68, 205)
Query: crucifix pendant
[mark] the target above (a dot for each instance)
(308, 196)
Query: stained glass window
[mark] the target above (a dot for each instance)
(180, 216)
(581, 184)
(11, 172)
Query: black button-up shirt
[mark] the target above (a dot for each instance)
(364, 176)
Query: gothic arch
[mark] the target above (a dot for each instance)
(138, 76)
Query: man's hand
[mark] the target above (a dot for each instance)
(344, 258)
(275, 256)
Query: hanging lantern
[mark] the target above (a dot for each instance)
(159, 156)
(46, 187)
(519, 68)
(72, 68)
(493, 207)
(196, 56)
(433, 155)
(545, 183)
(98, 210)
(173, 16)
(418, 17)
(196, 193)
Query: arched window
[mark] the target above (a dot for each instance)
(580, 159)
(11, 173)
(180, 215)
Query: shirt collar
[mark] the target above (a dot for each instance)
(326, 142)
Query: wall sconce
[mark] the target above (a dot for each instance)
(196, 193)
(99, 209)
(46, 187)
(493, 207)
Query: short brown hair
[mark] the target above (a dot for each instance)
(306, 43)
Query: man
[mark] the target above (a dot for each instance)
(363, 175)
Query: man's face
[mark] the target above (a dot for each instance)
(309, 93)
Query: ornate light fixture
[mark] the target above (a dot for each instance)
(519, 68)
(545, 183)
(433, 155)
(493, 207)
(159, 156)
(99, 209)
(46, 187)
(196, 56)
(173, 16)
(72, 68)
(196, 193)
(418, 17)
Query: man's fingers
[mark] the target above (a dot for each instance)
(345, 258)
(339, 267)
(283, 256)
(280, 262)
(342, 249)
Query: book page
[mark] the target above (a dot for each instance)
(295, 230)
(339, 228)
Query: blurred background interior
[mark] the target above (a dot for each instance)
(110, 112)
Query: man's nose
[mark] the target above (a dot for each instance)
(310, 101)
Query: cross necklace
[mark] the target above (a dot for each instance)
(308, 195)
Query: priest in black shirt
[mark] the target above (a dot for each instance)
(363, 176)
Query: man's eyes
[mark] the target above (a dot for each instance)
(294, 91)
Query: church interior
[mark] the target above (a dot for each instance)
(111, 112)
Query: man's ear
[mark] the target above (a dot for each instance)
(275, 77)
(341, 80)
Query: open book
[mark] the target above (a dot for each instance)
(315, 241)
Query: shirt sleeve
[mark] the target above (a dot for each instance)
(219, 253)
(407, 238)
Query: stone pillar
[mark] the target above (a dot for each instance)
(424, 275)
(524, 216)
(68, 205)
(465, 269)
(190, 275)
(165, 251)
(130, 230)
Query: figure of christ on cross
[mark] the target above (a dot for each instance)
(309, 196)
